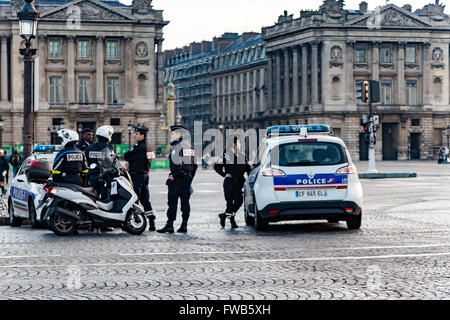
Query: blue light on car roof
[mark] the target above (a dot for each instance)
(45, 148)
(295, 129)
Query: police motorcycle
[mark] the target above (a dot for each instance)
(70, 208)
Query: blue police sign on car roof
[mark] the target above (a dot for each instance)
(46, 148)
(296, 129)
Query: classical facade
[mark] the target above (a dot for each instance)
(315, 60)
(98, 62)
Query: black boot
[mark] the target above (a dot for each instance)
(168, 228)
(151, 221)
(233, 223)
(183, 227)
(223, 217)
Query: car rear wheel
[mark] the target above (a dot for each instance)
(354, 222)
(32, 215)
(250, 221)
(260, 223)
(13, 220)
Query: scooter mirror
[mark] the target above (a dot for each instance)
(93, 166)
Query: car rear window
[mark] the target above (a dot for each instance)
(308, 154)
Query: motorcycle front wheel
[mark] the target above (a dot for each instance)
(135, 223)
(62, 226)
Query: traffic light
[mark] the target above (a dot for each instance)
(374, 91)
(362, 90)
(366, 88)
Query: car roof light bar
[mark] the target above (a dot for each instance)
(301, 130)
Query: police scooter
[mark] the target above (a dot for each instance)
(69, 207)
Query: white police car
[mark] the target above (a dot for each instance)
(26, 189)
(303, 173)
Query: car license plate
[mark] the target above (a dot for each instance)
(311, 193)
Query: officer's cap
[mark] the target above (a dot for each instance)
(86, 130)
(177, 127)
(141, 129)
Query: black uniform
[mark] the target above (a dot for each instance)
(236, 167)
(4, 166)
(70, 166)
(83, 145)
(102, 154)
(139, 161)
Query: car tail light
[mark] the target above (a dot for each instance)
(349, 210)
(274, 211)
(350, 169)
(273, 173)
(35, 164)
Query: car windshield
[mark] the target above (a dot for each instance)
(308, 154)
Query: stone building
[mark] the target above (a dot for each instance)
(219, 82)
(238, 82)
(98, 62)
(315, 60)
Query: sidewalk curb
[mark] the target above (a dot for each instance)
(387, 175)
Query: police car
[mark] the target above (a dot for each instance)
(26, 189)
(303, 173)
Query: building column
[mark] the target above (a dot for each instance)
(4, 68)
(269, 81)
(376, 61)
(261, 94)
(349, 73)
(295, 55)
(314, 74)
(254, 86)
(401, 93)
(277, 80)
(304, 75)
(286, 78)
(426, 74)
(71, 69)
(159, 71)
(99, 71)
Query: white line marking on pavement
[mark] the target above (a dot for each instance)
(236, 261)
(278, 251)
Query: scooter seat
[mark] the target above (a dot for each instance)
(87, 191)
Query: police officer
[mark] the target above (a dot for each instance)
(232, 166)
(182, 172)
(139, 160)
(102, 154)
(86, 139)
(70, 164)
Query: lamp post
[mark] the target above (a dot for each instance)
(1, 130)
(28, 17)
(130, 128)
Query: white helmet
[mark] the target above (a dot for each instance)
(105, 132)
(67, 136)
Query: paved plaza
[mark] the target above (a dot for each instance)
(401, 252)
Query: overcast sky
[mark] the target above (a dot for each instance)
(197, 20)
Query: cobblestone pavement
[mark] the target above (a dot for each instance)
(401, 252)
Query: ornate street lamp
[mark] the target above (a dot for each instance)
(28, 17)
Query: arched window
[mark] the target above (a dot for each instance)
(142, 85)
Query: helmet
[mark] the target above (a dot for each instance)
(67, 136)
(105, 132)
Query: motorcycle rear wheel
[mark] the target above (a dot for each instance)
(62, 226)
(135, 223)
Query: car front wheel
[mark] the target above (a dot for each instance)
(13, 220)
(32, 215)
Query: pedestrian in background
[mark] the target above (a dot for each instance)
(446, 151)
(16, 160)
(7, 157)
(232, 166)
(4, 168)
(441, 155)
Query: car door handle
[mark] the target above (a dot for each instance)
(20, 180)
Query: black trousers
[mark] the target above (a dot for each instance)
(140, 186)
(233, 195)
(179, 189)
